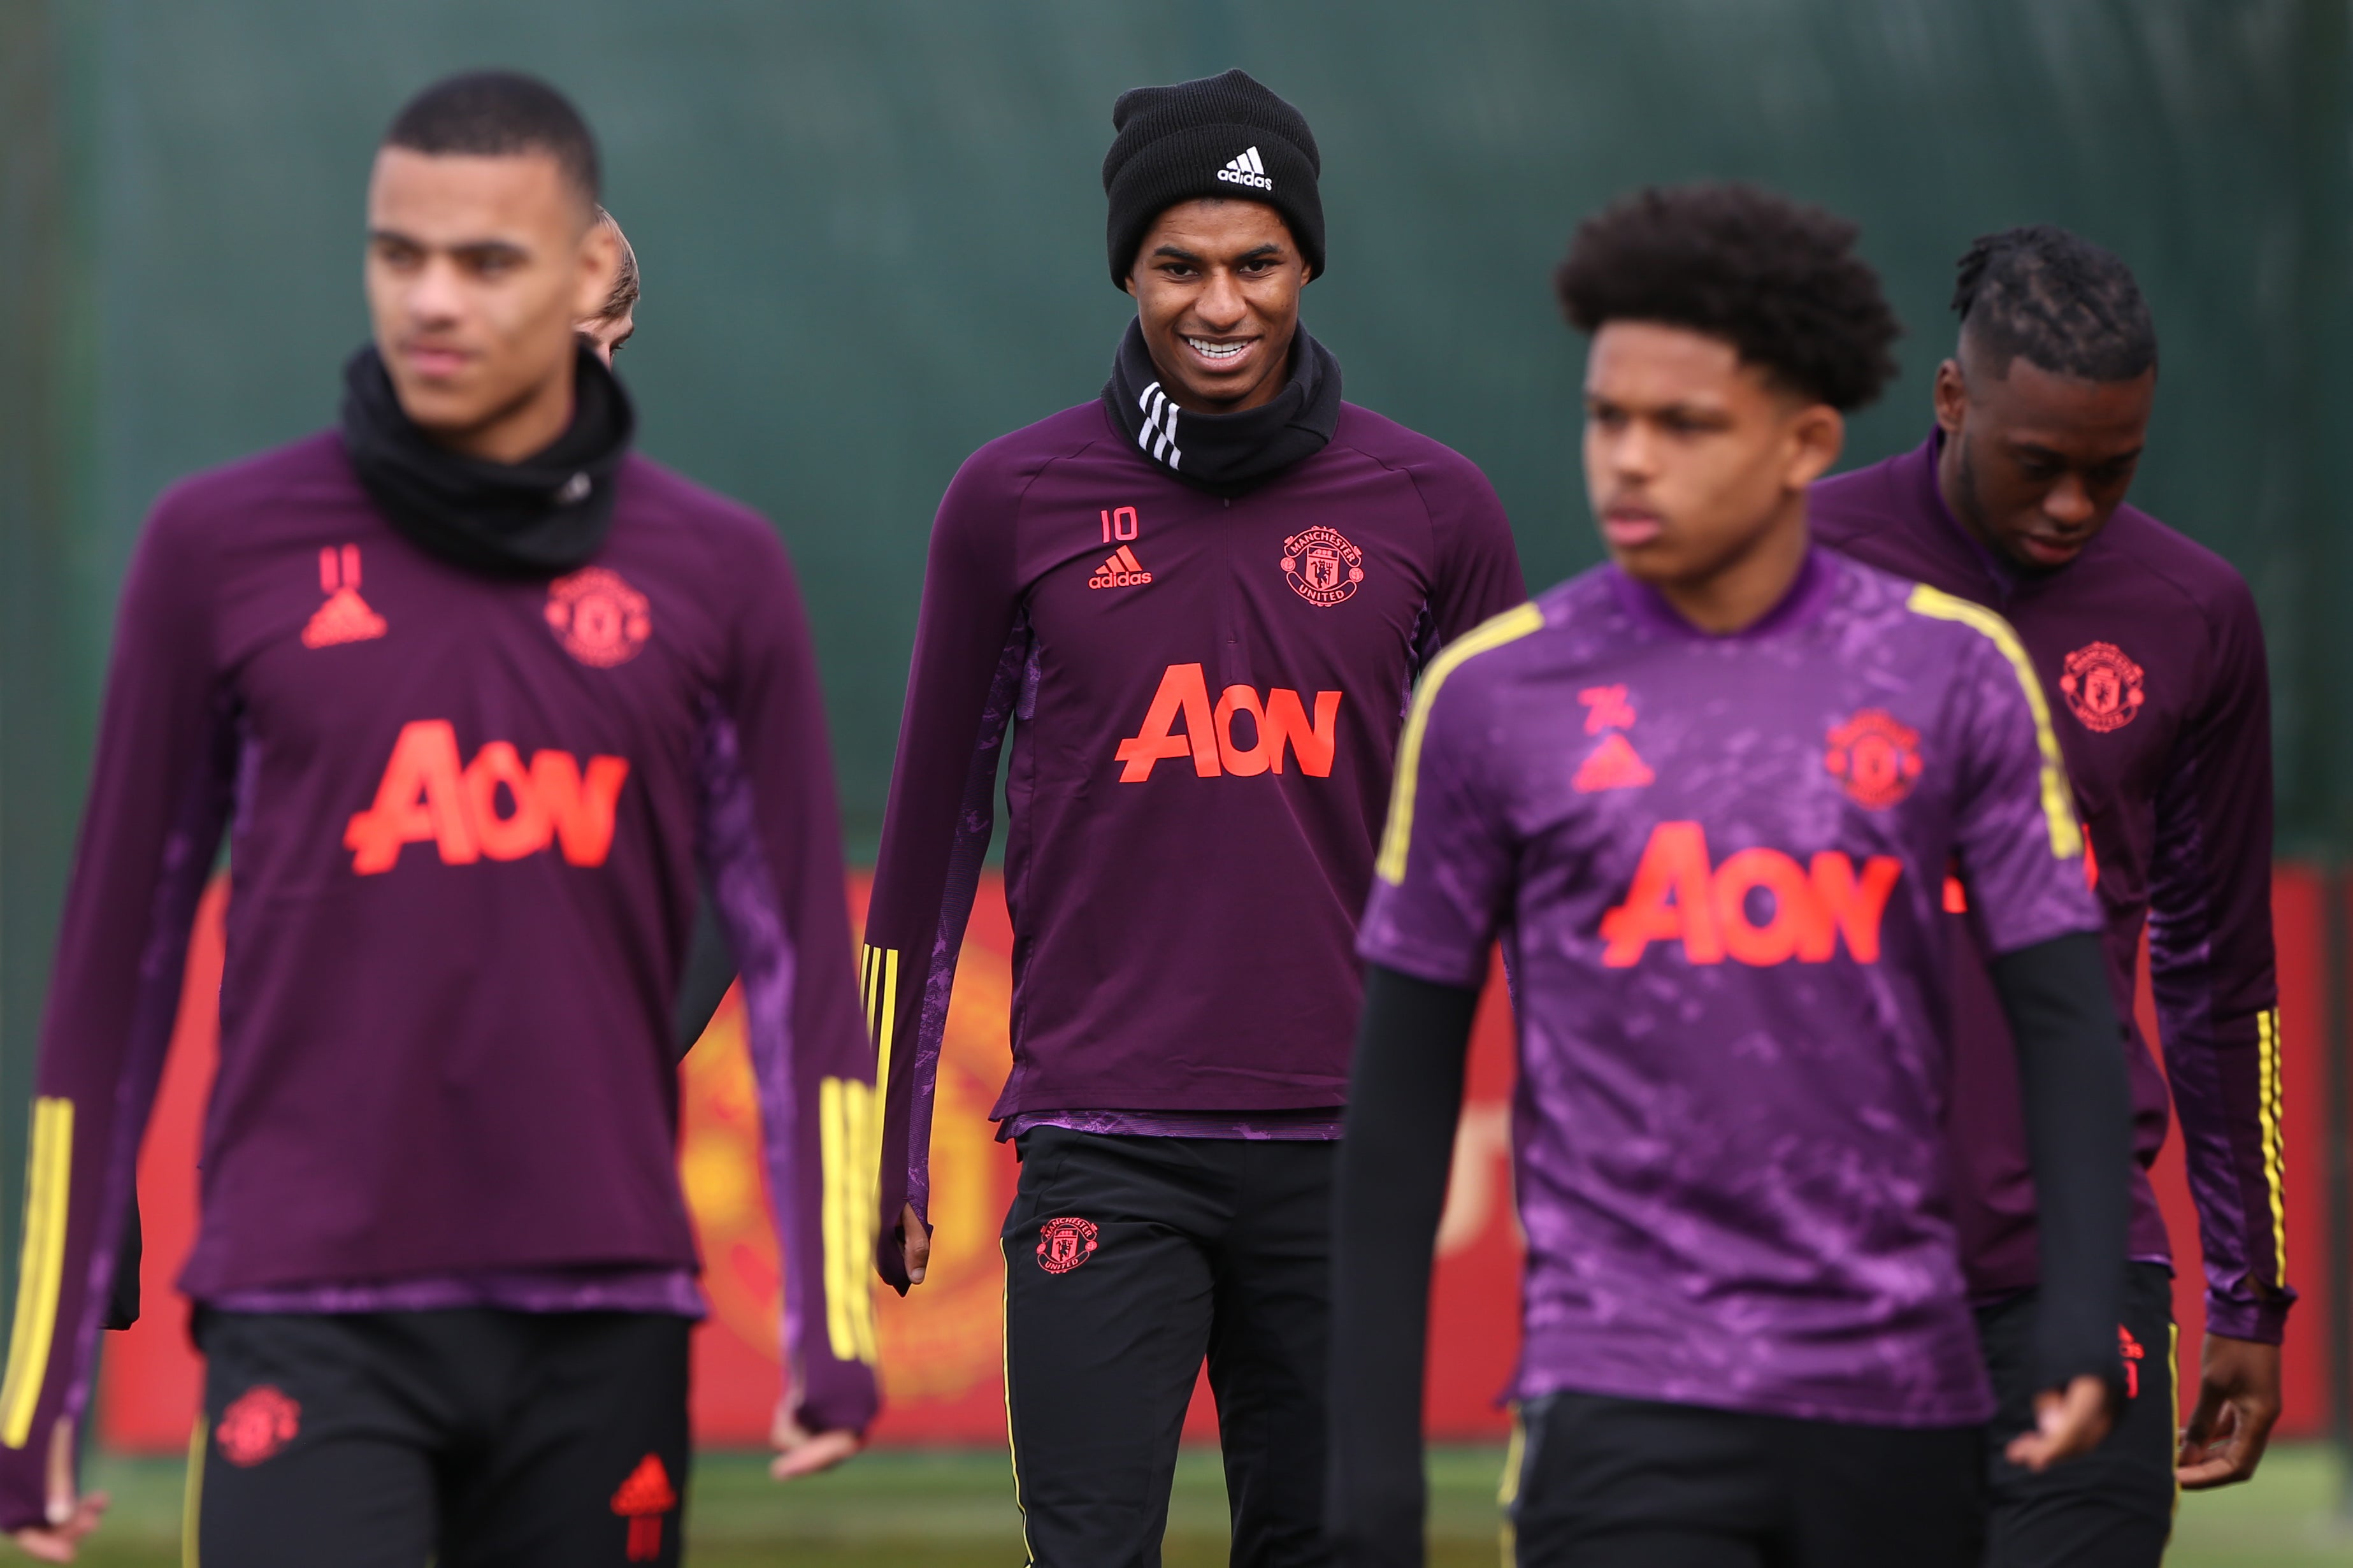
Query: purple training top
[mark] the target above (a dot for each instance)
(1204, 697)
(2151, 656)
(1717, 864)
(465, 818)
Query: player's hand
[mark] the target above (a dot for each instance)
(70, 1516)
(2238, 1400)
(801, 1452)
(2068, 1424)
(917, 1245)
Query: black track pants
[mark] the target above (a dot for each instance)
(466, 1439)
(1127, 1261)
(1621, 1483)
(2114, 1507)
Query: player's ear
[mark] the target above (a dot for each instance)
(1817, 434)
(1952, 396)
(600, 260)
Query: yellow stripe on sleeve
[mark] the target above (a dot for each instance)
(846, 1144)
(2269, 1102)
(865, 1184)
(2058, 810)
(832, 1156)
(882, 1009)
(1395, 838)
(40, 1273)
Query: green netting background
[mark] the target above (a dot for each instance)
(871, 236)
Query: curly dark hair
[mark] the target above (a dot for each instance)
(2066, 304)
(1777, 280)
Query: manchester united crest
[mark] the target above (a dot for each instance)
(256, 1424)
(1064, 1244)
(1322, 566)
(2102, 687)
(1877, 758)
(598, 617)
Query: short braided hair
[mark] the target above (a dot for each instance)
(2065, 304)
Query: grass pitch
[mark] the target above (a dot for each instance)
(953, 1508)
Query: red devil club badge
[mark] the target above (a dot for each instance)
(1064, 1244)
(2102, 687)
(256, 1424)
(1322, 566)
(1876, 758)
(598, 617)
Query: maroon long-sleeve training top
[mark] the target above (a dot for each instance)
(1204, 696)
(2152, 654)
(465, 818)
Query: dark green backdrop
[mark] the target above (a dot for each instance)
(872, 235)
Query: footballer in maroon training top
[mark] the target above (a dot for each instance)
(473, 710)
(1197, 602)
(2151, 655)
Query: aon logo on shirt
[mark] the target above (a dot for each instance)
(1677, 896)
(1278, 722)
(426, 797)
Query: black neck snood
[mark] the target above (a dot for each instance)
(1227, 454)
(539, 518)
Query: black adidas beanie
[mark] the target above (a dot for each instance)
(1221, 136)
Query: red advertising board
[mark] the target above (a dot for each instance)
(941, 1355)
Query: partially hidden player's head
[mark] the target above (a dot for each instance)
(1216, 225)
(483, 250)
(2045, 403)
(616, 320)
(1732, 329)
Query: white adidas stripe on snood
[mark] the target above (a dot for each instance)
(1155, 403)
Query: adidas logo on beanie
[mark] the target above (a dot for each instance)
(1246, 170)
(1221, 136)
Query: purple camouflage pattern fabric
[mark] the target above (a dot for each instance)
(2151, 652)
(1716, 864)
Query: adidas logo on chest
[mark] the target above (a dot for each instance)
(1123, 570)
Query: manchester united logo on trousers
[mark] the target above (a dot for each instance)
(1064, 1244)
